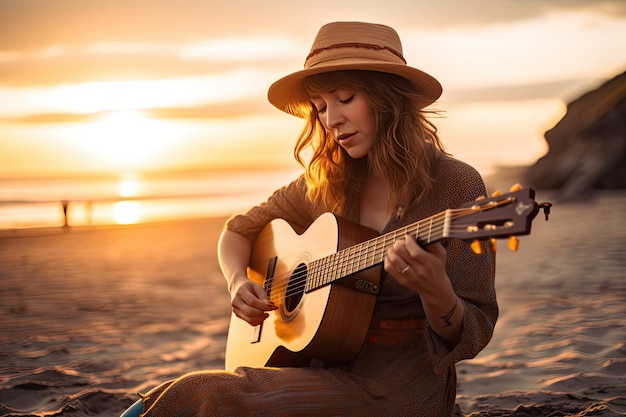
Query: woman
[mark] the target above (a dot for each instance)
(376, 160)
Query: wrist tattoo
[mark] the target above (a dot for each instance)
(446, 318)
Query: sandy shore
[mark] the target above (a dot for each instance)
(88, 316)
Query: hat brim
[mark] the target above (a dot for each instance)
(288, 93)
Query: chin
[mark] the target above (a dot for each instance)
(356, 154)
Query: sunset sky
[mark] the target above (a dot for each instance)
(132, 85)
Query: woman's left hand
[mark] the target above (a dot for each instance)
(423, 270)
(420, 269)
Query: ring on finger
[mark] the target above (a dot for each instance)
(406, 268)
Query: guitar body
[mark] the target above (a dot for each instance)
(328, 323)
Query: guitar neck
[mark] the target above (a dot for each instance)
(372, 252)
(501, 216)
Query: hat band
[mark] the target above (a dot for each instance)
(353, 45)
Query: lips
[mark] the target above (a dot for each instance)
(344, 138)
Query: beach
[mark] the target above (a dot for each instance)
(91, 315)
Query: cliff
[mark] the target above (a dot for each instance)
(587, 147)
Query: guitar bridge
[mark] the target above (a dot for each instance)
(267, 285)
(256, 334)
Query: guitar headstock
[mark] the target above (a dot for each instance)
(500, 216)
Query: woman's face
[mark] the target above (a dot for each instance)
(349, 119)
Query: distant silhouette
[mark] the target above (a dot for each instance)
(65, 203)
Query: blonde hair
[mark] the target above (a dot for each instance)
(404, 153)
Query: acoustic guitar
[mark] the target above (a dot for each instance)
(325, 280)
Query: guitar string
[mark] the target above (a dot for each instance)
(339, 268)
(329, 269)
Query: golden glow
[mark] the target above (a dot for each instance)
(481, 133)
(95, 96)
(129, 186)
(127, 139)
(516, 53)
(44, 111)
(123, 135)
(127, 212)
(241, 49)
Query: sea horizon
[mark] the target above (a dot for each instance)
(130, 198)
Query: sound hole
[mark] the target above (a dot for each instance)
(295, 288)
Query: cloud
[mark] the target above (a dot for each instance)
(148, 54)
(504, 93)
(241, 49)
(232, 110)
(34, 24)
(144, 60)
(554, 47)
(96, 96)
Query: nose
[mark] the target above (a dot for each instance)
(334, 116)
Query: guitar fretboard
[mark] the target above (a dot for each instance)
(364, 255)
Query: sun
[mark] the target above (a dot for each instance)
(127, 139)
(122, 134)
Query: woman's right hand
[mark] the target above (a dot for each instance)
(250, 303)
(248, 299)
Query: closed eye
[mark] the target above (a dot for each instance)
(321, 107)
(348, 100)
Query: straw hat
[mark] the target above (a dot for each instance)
(351, 46)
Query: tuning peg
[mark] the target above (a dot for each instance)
(516, 187)
(493, 244)
(513, 243)
(496, 194)
(476, 247)
(546, 209)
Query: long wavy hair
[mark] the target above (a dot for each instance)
(404, 152)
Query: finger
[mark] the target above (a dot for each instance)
(391, 267)
(399, 270)
(264, 302)
(396, 260)
(437, 249)
(412, 248)
(261, 304)
(250, 314)
(250, 303)
(255, 296)
(399, 248)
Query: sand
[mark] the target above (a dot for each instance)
(89, 316)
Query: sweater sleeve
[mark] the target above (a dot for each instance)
(288, 203)
(473, 279)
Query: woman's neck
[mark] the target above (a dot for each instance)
(374, 204)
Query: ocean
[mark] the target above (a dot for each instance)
(132, 198)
